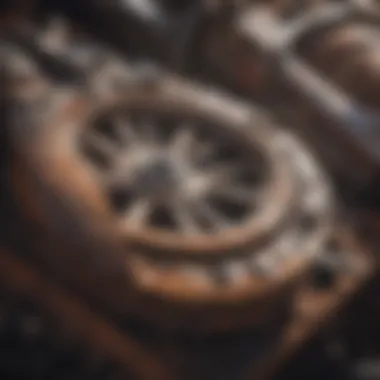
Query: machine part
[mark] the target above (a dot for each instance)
(260, 354)
(89, 346)
(210, 208)
(272, 53)
(309, 307)
(270, 57)
(225, 39)
(234, 44)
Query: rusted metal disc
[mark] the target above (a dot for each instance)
(218, 210)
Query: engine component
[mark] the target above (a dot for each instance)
(210, 208)
(164, 201)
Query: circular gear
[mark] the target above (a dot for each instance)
(182, 179)
(217, 212)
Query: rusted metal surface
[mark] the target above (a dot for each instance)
(177, 213)
(207, 258)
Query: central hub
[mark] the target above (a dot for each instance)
(157, 179)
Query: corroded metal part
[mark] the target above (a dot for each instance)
(164, 201)
(204, 201)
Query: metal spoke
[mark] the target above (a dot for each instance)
(117, 178)
(149, 132)
(223, 173)
(200, 186)
(184, 217)
(183, 141)
(204, 152)
(236, 193)
(138, 213)
(124, 131)
(210, 215)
